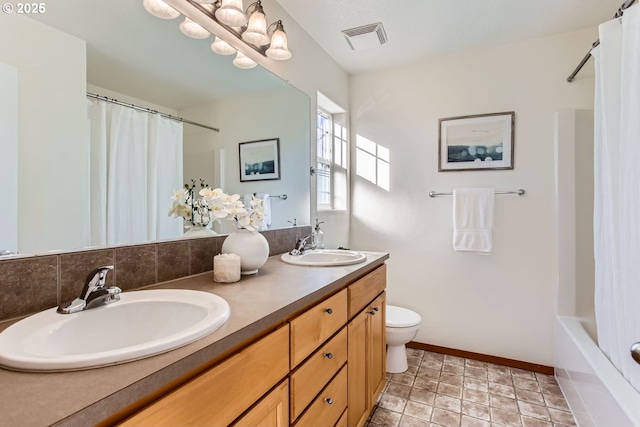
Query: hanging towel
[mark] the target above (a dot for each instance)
(266, 203)
(473, 219)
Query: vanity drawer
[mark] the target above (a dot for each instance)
(222, 393)
(330, 404)
(365, 289)
(312, 328)
(314, 374)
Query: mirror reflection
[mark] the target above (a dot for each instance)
(63, 190)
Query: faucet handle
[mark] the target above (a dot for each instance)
(95, 280)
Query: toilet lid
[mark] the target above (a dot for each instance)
(398, 317)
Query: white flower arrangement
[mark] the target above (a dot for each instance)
(214, 205)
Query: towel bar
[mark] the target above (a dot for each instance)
(519, 192)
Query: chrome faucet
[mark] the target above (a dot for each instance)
(94, 293)
(302, 246)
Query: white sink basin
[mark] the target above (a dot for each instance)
(325, 258)
(141, 324)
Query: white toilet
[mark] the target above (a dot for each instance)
(402, 327)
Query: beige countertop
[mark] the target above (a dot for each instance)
(258, 303)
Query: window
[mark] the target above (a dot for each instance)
(332, 161)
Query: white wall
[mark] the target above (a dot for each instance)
(52, 131)
(8, 157)
(502, 304)
(274, 114)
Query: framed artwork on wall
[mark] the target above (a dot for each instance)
(480, 142)
(260, 160)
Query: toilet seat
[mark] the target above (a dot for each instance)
(398, 317)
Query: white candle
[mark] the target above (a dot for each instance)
(226, 268)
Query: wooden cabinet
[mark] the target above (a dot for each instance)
(220, 395)
(271, 411)
(326, 367)
(366, 360)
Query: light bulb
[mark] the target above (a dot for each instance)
(231, 13)
(160, 9)
(193, 30)
(243, 61)
(278, 49)
(256, 32)
(221, 47)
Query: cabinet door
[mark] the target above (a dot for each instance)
(377, 348)
(271, 411)
(220, 395)
(358, 402)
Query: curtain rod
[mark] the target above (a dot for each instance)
(618, 14)
(148, 110)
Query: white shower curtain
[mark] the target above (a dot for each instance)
(617, 190)
(136, 163)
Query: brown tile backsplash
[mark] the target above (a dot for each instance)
(173, 260)
(136, 267)
(32, 284)
(28, 285)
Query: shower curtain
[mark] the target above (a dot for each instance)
(135, 164)
(617, 190)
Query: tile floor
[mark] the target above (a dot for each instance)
(447, 391)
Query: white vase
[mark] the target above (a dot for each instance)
(253, 249)
(198, 231)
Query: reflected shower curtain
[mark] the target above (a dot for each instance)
(617, 190)
(136, 163)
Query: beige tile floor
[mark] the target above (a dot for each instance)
(447, 391)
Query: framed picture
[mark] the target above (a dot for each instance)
(482, 142)
(260, 160)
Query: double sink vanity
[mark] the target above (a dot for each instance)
(293, 345)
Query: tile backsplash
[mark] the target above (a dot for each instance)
(32, 284)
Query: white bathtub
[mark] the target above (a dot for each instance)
(598, 395)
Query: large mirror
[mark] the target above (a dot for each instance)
(116, 49)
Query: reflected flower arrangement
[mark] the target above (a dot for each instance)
(201, 208)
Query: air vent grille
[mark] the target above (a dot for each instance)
(366, 36)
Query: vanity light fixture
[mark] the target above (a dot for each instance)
(221, 47)
(243, 61)
(160, 9)
(270, 41)
(193, 29)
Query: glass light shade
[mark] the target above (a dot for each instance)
(231, 13)
(160, 9)
(193, 30)
(206, 1)
(243, 61)
(278, 49)
(256, 32)
(221, 47)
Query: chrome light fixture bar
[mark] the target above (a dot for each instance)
(227, 21)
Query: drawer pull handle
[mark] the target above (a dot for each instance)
(328, 310)
(328, 400)
(328, 355)
(373, 312)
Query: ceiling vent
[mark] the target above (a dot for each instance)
(366, 37)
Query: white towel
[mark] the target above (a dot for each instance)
(473, 219)
(266, 203)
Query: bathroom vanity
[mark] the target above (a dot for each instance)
(303, 346)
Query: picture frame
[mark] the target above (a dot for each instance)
(478, 142)
(259, 160)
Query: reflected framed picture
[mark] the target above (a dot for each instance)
(480, 142)
(260, 160)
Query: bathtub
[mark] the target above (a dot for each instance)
(598, 395)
